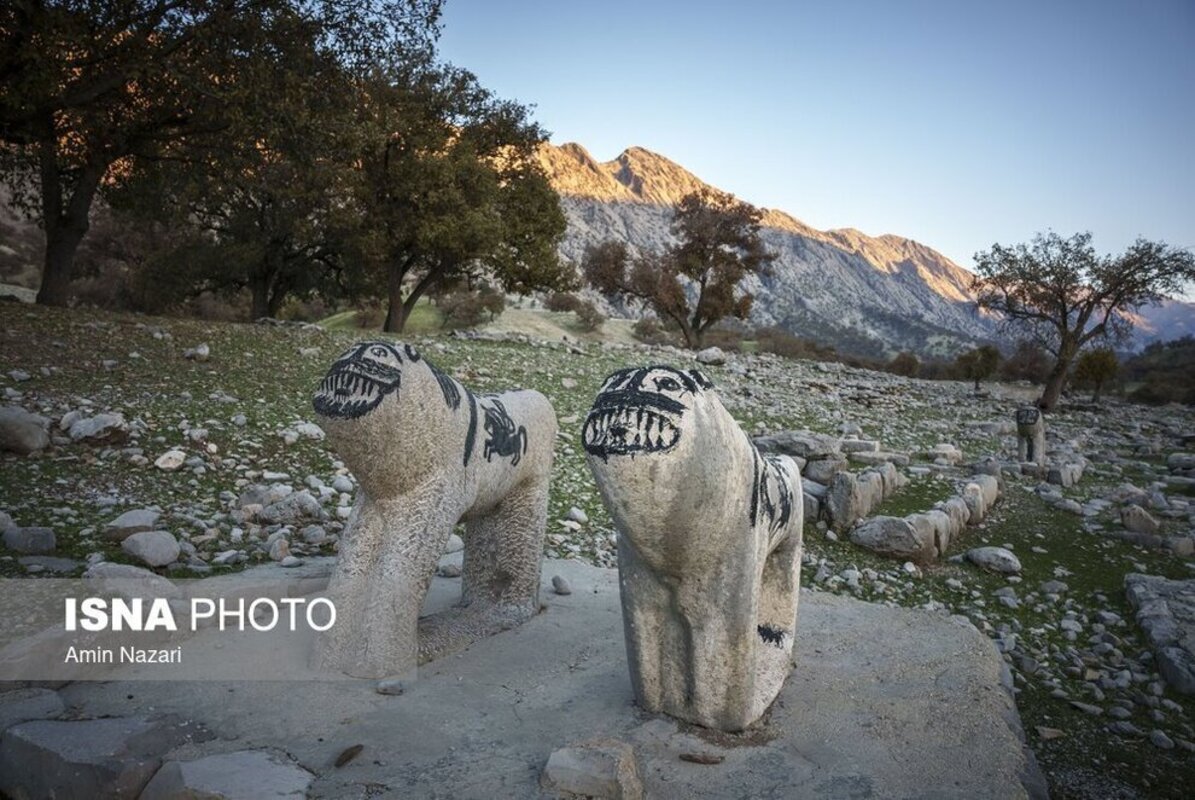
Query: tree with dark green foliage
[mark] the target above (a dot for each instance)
(978, 364)
(268, 219)
(89, 89)
(1064, 296)
(1095, 368)
(448, 188)
(904, 363)
(718, 245)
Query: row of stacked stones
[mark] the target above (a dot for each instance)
(926, 535)
(830, 491)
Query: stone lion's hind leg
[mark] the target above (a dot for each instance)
(500, 576)
(776, 622)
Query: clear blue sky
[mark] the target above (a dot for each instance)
(958, 124)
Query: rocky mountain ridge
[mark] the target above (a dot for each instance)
(871, 295)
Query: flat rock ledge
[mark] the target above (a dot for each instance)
(883, 703)
(1165, 610)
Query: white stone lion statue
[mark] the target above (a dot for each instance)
(709, 546)
(428, 453)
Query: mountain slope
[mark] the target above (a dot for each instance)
(862, 294)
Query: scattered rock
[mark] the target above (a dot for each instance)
(155, 548)
(1138, 520)
(601, 768)
(101, 429)
(995, 559)
(295, 508)
(455, 544)
(390, 686)
(449, 570)
(170, 460)
(560, 585)
(33, 541)
(712, 356)
(200, 352)
(130, 522)
(21, 432)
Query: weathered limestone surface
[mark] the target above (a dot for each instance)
(429, 453)
(709, 546)
(1166, 612)
(243, 775)
(82, 758)
(889, 706)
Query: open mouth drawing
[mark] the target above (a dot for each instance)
(358, 382)
(642, 425)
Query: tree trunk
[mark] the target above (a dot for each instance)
(1095, 396)
(1056, 379)
(65, 225)
(396, 313)
(61, 244)
(260, 305)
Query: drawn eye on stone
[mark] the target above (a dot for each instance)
(377, 351)
(668, 384)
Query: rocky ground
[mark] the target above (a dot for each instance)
(190, 449)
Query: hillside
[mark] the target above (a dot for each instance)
(870, 295)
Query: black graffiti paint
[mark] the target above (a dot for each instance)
(771, 496)
(1027, 416)
(639, 409)
(448, 387)
(359, 380)
(503, 438)
(772, 635)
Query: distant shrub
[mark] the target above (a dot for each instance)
(370, 314)
(1094, 369)
(904, 363)
(311, 310)
(782, 343)
(649, 331)
(1029, 362)
(562, 301)
(467, 308)
(589, 316)
(724, 338)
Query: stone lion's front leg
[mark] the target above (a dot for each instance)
(386, 563)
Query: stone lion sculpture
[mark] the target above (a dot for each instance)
(1031, 435)
(428, 453)
(709, 546)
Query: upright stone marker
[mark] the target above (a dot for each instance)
(428, 453)
(1031, 436)
(709, 547)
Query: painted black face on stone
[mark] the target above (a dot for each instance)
(360, 379)
(639, 410)
(1027, 416)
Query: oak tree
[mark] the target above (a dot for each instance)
(697, 281)
(1064, 296)
(88, 89)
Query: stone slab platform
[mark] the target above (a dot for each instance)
(884, 703)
